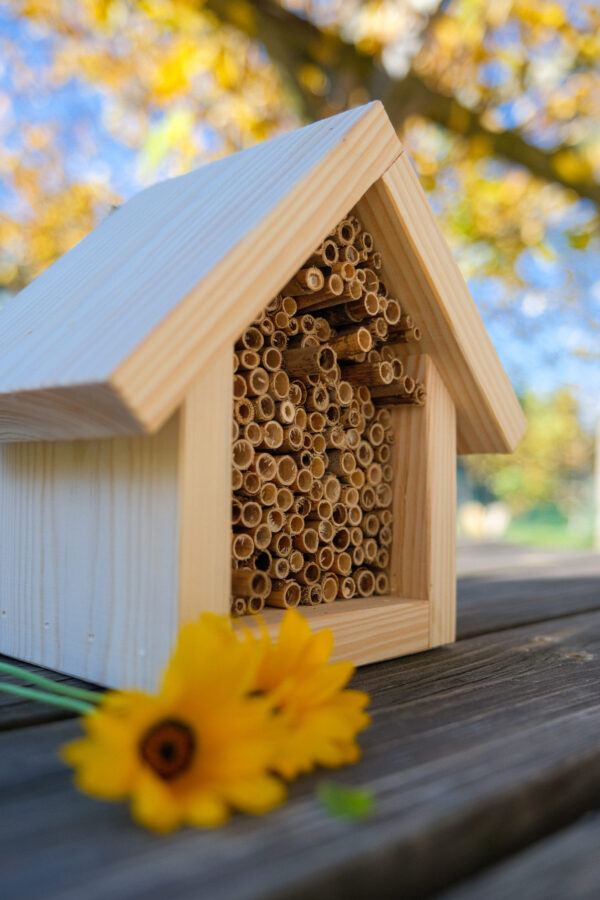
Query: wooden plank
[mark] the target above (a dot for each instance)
(474, 751)
(423, 561)
(178, 271)
(420, 270)
(567, 865)
(366, 629)
(205, 492)
(88, 568)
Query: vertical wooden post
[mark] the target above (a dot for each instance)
(205, 491)
(424, 559)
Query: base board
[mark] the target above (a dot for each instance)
(365, 629)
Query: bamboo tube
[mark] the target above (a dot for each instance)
(356, 534)
(291, 328)
(309, 360)
(364, 454)
(285, 499)
(271, 360)
(285, 595)
(342, 563)
(352, 341)
(294, 524)
(285, 412)
(240, 387)
(281, 544)
(385, 535)
(268, 494)
(360, 275)
(392, 313)
(341, 539)
(316, 421)
(309, 574)
(375, 260)
(279, 568)
(274, 518)
(344, 269)
(303, 481)
(289, 305)
(364, 241)
(333, 414)
(282, 321)
(370, 524)
(357, 478)
(264, 408)
(279, 339)
(365, 582)
(329, 588)
(267, 326)
(311, 594)
(319, 443)
(339, 514)
(386, 516)
(374, 474)
(297, 393)
(375, 434)
(358, 556)
(250, 514)
(253, 433)
(246, 581)
(341, 462)
(376, 373)
(243, 411)
(368, 411)
(260, 535)
(346, 588)
(370, 548)
(237, 479)
(274, 305)
(265, 466)
(383, 495)
(365, 307)
(317, 467)
(335, 438)
(322, 329)
(285, 471)
(316, 491)
(305, 281)
(272, 436)
(236, 510)
(242, 546)
(302, 505)
(243, 454)
(256, 605)
(239, 606)
(318, 399)
(355, 515)
(382, 582)
(306, 324)
(352, 290)
(332, 489)
(307, 541)
(350, 254)
(344, 232)
(296, 561)
(326, 254)
(292, 438)
(325, 557)
(251, 339)
(388, 473)
(382, 559)
(367, 497)
(324, 529)
(330, 295)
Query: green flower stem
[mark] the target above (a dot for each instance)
(43, 697)
(48, 684)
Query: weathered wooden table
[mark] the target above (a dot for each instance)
(484, 759)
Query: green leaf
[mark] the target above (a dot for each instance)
(340, 802)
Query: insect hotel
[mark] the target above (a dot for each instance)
(244, 391)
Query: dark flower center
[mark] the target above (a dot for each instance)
(168, 748)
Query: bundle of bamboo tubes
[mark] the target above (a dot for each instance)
(312, 434)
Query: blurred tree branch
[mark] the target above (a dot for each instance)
(295, 43)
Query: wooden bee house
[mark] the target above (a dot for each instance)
(307, 282)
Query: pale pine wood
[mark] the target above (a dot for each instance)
(88, 555)
(423, 562)
(419, 269)
(205, 492)
(143, 302)
(365, 629)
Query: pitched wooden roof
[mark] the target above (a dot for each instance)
(108, 340)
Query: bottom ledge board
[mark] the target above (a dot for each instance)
(366, 629)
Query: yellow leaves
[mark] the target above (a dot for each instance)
(572, 167)
(313, 79)
(227, 69)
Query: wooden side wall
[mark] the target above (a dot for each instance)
(89, 555)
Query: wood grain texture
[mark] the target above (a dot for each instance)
(423, 561)
(205, 492)
(88, 543)
(474, 751)
(365, 630)
(565, 866)
(172, 276)
(420, 270)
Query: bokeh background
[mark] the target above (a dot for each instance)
(497, 101)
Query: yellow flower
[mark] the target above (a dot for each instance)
(196, 750)
(320, 718)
